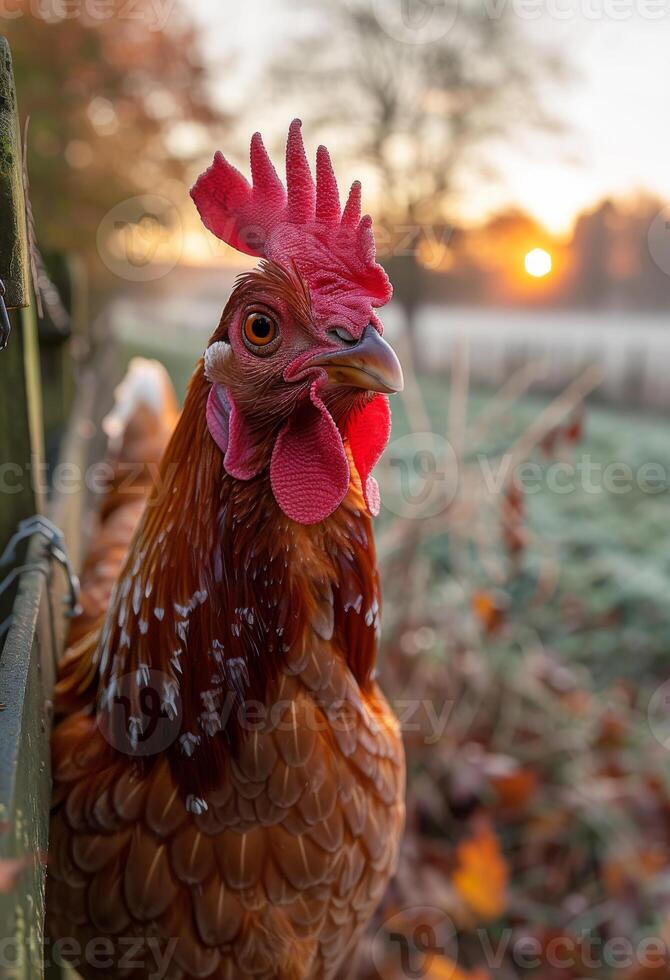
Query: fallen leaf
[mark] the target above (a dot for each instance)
(481, 874)
(489, 608)
(636, 867)
(515, 789)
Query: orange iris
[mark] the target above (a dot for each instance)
(260, 329)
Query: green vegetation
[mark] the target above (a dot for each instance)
(608, 538)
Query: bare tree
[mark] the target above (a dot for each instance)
(420, 90)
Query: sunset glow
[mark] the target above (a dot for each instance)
(538, 263)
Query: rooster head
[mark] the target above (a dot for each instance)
(298, 367)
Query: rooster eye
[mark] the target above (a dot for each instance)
(259, 330)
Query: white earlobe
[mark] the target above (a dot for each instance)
(215, 355)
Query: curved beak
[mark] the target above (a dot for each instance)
(371, 364)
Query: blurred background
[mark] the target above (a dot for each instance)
(515, 158)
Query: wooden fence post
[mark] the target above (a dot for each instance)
(13, 235)
(22, 475)
(24, 758)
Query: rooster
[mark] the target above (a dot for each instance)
(228, 778)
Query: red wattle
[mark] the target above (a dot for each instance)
(368, 433)
(309, 471)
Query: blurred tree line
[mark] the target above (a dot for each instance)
(416, 96)
(116, 106)
(617, 257)
(622, 257)
(422, 94)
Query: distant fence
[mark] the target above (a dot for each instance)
(633, 350)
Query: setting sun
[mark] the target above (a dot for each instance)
(538, 263)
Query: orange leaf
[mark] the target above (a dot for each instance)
(489, 609)
(481, 874)
(515, 789)
(634, 867)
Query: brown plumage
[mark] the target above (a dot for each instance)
(281, 871)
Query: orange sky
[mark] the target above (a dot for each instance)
(614, 107)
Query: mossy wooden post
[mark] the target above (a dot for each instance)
(21, 436)
(13, 236)
(24, 760)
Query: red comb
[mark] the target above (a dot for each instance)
(300, 224)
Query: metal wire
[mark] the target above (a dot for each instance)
(56, 547)
(5, 325)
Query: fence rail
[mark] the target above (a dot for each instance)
(26, 666)
(33, 591)
(632, 350)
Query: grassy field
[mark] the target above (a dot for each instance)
(604, 519)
